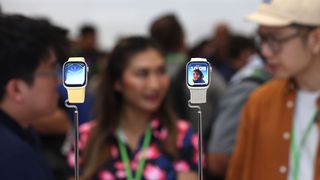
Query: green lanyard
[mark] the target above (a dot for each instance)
(295, 150)
(125, 159)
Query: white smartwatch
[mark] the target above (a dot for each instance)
(75, 78)
(198, 72)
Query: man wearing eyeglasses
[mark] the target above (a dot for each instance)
(28, 90)
(279, 133)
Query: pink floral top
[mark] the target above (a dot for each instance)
(158, 165)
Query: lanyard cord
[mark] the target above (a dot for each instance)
(125, 158)
(295, 150)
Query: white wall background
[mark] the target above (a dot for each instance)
(116, 18)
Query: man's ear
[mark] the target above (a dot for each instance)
(314, 39)
(15, 89)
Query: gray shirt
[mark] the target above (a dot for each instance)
(224, 131)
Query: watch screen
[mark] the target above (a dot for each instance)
(198, 74)
(75, 74)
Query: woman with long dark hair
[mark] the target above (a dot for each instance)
(135, 136)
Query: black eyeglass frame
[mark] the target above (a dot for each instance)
(275, 43)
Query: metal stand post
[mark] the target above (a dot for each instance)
(200, 167)
(76, 138)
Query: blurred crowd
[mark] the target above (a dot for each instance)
(259, 122)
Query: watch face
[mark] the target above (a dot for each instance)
(74, 74)
(198, 74)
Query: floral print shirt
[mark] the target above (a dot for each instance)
(158, 165)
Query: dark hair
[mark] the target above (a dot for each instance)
(87, 29)
(199, 72)
(238, 44)
(199, 49)
(168, 32)
(109, 107)
(23, 47)
(58, 38)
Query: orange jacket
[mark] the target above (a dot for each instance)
(263, 142)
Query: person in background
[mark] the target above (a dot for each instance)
(220, 45)
(244, 50)
(241, 50)
(135, 135)
(224, 130)
(220, 41)
(168, 32)
(86, 46)
(28, 90)
(201, 49)
(279, 132)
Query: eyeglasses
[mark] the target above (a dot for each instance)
(275, 43)
(56, 72)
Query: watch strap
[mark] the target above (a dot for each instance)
(76, 95)
(198, 59)
(76, 59)
(198, 96)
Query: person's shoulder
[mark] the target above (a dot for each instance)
(85, 130)
(186, 134)
(21, 164)
(11, 144)
(18, 154)
(183, 125)
(86, 127)
(240, 89)
(14, 151)
(270, 90)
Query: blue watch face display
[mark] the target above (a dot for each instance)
(74, 74)
(198, 74)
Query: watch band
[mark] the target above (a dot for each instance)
(198, 59)
(76, 95)
(71, 59)
(198, 96)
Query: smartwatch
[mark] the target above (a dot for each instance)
(198, 72)
(75, 77)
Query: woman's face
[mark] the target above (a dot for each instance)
(196, 75)
(144, 82)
